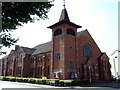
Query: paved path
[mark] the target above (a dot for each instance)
(114, 85)
(6, 85)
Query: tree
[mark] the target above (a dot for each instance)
(15, 14)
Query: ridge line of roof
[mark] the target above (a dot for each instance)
(42, 44)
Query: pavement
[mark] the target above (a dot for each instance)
(114, 85)
(93, 86)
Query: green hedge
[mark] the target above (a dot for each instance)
(46, 81)
(1, 77)
(19, 80)
(6, 78)
(25, 80)
(80, 82)
(31, 80)
(12, 79)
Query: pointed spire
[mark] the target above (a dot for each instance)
(64, 19)
(64, 15)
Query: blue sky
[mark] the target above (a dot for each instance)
(100, 17)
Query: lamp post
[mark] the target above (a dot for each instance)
(90, 73)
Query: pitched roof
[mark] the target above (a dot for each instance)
(64, 19)
(46, 47)
(28, 50)
(13, 52)
(84, 33)
(101, 54)
(64, 16)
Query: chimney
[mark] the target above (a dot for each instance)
(16, 47)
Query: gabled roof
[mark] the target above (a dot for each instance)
(12, 52)
(101, 54)
(28, 50)
(84, 33)
(46, 47)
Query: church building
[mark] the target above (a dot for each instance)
(69, 55)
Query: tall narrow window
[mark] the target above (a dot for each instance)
(41, 58)
(41, 71)
(71, 64)
(70, 32)
(38, 58)
(48, 57)
(21, 58)
(57, 32)
(48, 70)
(38, 71)
(17, 70)
(33, 60)
(57, 56)
(104, 66)
(86, 50)
(79, 70)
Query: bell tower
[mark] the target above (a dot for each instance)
(63, 52)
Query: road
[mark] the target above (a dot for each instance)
(6, 85)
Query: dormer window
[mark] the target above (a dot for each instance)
(57, 32)
(70, 32)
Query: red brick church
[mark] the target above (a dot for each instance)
(69, 55)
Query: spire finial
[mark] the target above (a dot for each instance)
(64, 3)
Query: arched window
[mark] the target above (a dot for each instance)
(70, 32)
(86, 50)
(57, 32)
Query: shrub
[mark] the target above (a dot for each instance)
(13, 79)
(43, 81)
(38, 81)
(6, 78)
(25, 80)
(1, 77)
(80, 82)
(61, 83)
(31, 80)
(56, 82)
(48, 81)
(19, 79)
(85, 81)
